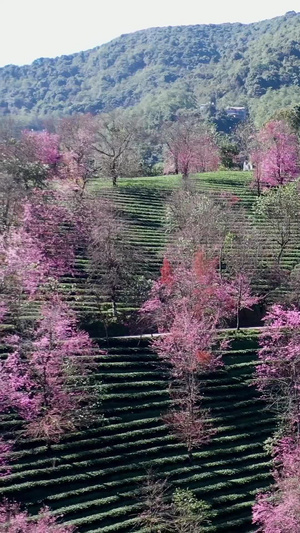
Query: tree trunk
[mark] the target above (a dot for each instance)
(114, 308)
(237, 320)
(190, 455)
(176, 170)
(114, 173)
(238, 307)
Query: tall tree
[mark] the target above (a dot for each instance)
(190, 147)
(179, 512)
(113, 262)
(241, 255)
(278, 374)
(277, 155)
(187, 304)
(114, 145)
(28, 163)
(31, 159)
(278, 510)
(46, 374)
(41, 245)
(77, 134)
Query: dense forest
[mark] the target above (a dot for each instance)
(162, 70)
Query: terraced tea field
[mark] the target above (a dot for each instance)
(140, 201)
(93, 477)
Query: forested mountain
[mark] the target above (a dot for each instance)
(164, 69)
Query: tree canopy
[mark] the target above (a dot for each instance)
(166, 69)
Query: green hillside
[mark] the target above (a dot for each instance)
(165, 69)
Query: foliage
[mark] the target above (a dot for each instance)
(278, 373)
(180, 513)
(276, 155)
(191, 514)
(165, 70)
(278, 511)
(280, 207)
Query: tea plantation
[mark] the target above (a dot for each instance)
(93, 477)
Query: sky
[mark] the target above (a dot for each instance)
(47, 28)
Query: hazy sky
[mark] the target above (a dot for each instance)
(47, 28)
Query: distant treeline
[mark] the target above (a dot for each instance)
(164, 70)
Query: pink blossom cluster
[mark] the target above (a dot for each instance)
(15, 520)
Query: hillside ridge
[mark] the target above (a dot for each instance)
(165, 69)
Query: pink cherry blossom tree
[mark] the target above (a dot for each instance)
(277, 156)
(22, 269)
(30, 160)
(40, 247)
(42, 146)
(15, 520)
(187, 348)
(46, 374)
(278, 511)
(77, 134)
(190, 147)
(187, 305)
(278, 371)
(49, 222)
(278, 378)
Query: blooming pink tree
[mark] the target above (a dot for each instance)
(197, 287)
(278, 379)
(50, 223)
(30, 160)
(15, 520)
(187, 348)
(277, 158)
(187, 304)
(190, 147)
(22, 268)
(77, 135)
(278, 371)
(42, 146)
(240, 290)
(278, 511)
(42, 246)
(45, 375)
